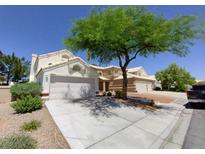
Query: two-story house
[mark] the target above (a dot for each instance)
(111, 79)
(63, 75)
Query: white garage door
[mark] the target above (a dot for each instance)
(71, 87)
(143, 86)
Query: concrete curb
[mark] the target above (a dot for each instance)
(177, 135)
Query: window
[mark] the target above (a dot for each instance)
(110, 72)
(100, 73)
(76, 68)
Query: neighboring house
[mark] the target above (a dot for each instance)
(62, 75)
(200, 82)
(110, 78)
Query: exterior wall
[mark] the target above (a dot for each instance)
(140, 72)
(132, 84)
(66, 70)
(33, 69)
(110, 72)
(118, 84)
(45, 60)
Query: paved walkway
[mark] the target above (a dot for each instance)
(195, 138)
(102, 123)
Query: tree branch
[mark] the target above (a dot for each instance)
(138, 52)
(120, 60)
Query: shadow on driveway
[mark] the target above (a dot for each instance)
(99, 106)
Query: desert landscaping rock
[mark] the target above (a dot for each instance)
(48, 135)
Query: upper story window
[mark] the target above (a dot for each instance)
(76, 68)
(116, 72)
(100, 73)
(109, 72)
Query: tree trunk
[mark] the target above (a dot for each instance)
(8, 78)
(125, 81)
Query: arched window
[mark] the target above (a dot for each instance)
(76, 68)
(100, 73)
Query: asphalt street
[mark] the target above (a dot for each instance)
(195, 137)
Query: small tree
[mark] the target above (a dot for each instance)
(175, 78)
(123, 33)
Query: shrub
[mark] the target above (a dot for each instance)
(118, 94)
(109, 93)
(32, 125)
(21, 90)
(157, 88)
(27, 104)
(18, 142)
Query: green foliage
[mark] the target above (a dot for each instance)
(175, 78)
(123, 33)
(109, 93)
(119, 94)
(32, 125)
(18, 142)
(2, 78)
(21, 90)
(27, 104)
(14, 67)
(108, 32)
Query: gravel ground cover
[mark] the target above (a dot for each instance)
(48, 135)
(155, 97)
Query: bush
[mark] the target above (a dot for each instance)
(118, 94)
(27, 104)
(21, 90)
(18, 142)
(109, 93)
(32, 125)
(157, 88)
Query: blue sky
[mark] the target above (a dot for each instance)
(40, 29)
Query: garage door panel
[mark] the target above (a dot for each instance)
(143, 86)
(71, 87)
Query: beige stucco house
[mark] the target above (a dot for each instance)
(110, 79)
(63, 75)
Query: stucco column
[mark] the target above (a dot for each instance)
(32, 76)
(104, 86)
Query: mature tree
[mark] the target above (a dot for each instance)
(14, 67)
(123, 33)
(175, 78)
(1, 63)
(8, 61)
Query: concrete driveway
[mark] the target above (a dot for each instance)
(104, 123)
